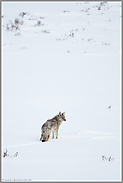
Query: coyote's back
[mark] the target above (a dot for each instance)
(52, 125)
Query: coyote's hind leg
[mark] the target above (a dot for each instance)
(41, 137)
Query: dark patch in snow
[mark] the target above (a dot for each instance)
(18, 34)
(66, 11)
(5, 154)
(22, 14)
(109, 159)
(45, 31)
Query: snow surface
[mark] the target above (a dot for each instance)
(46, 70)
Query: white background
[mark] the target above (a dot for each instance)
(44, 71)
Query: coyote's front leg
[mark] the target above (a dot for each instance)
(56, 133)
(48, 137)
(52, 134)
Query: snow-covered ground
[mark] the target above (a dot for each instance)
(64, 56)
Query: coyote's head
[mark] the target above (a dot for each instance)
(62, 116)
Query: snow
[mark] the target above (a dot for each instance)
(46, 70)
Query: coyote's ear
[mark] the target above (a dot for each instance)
(63, 113)
(60, 113)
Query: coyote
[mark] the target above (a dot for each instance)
(52, 125)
